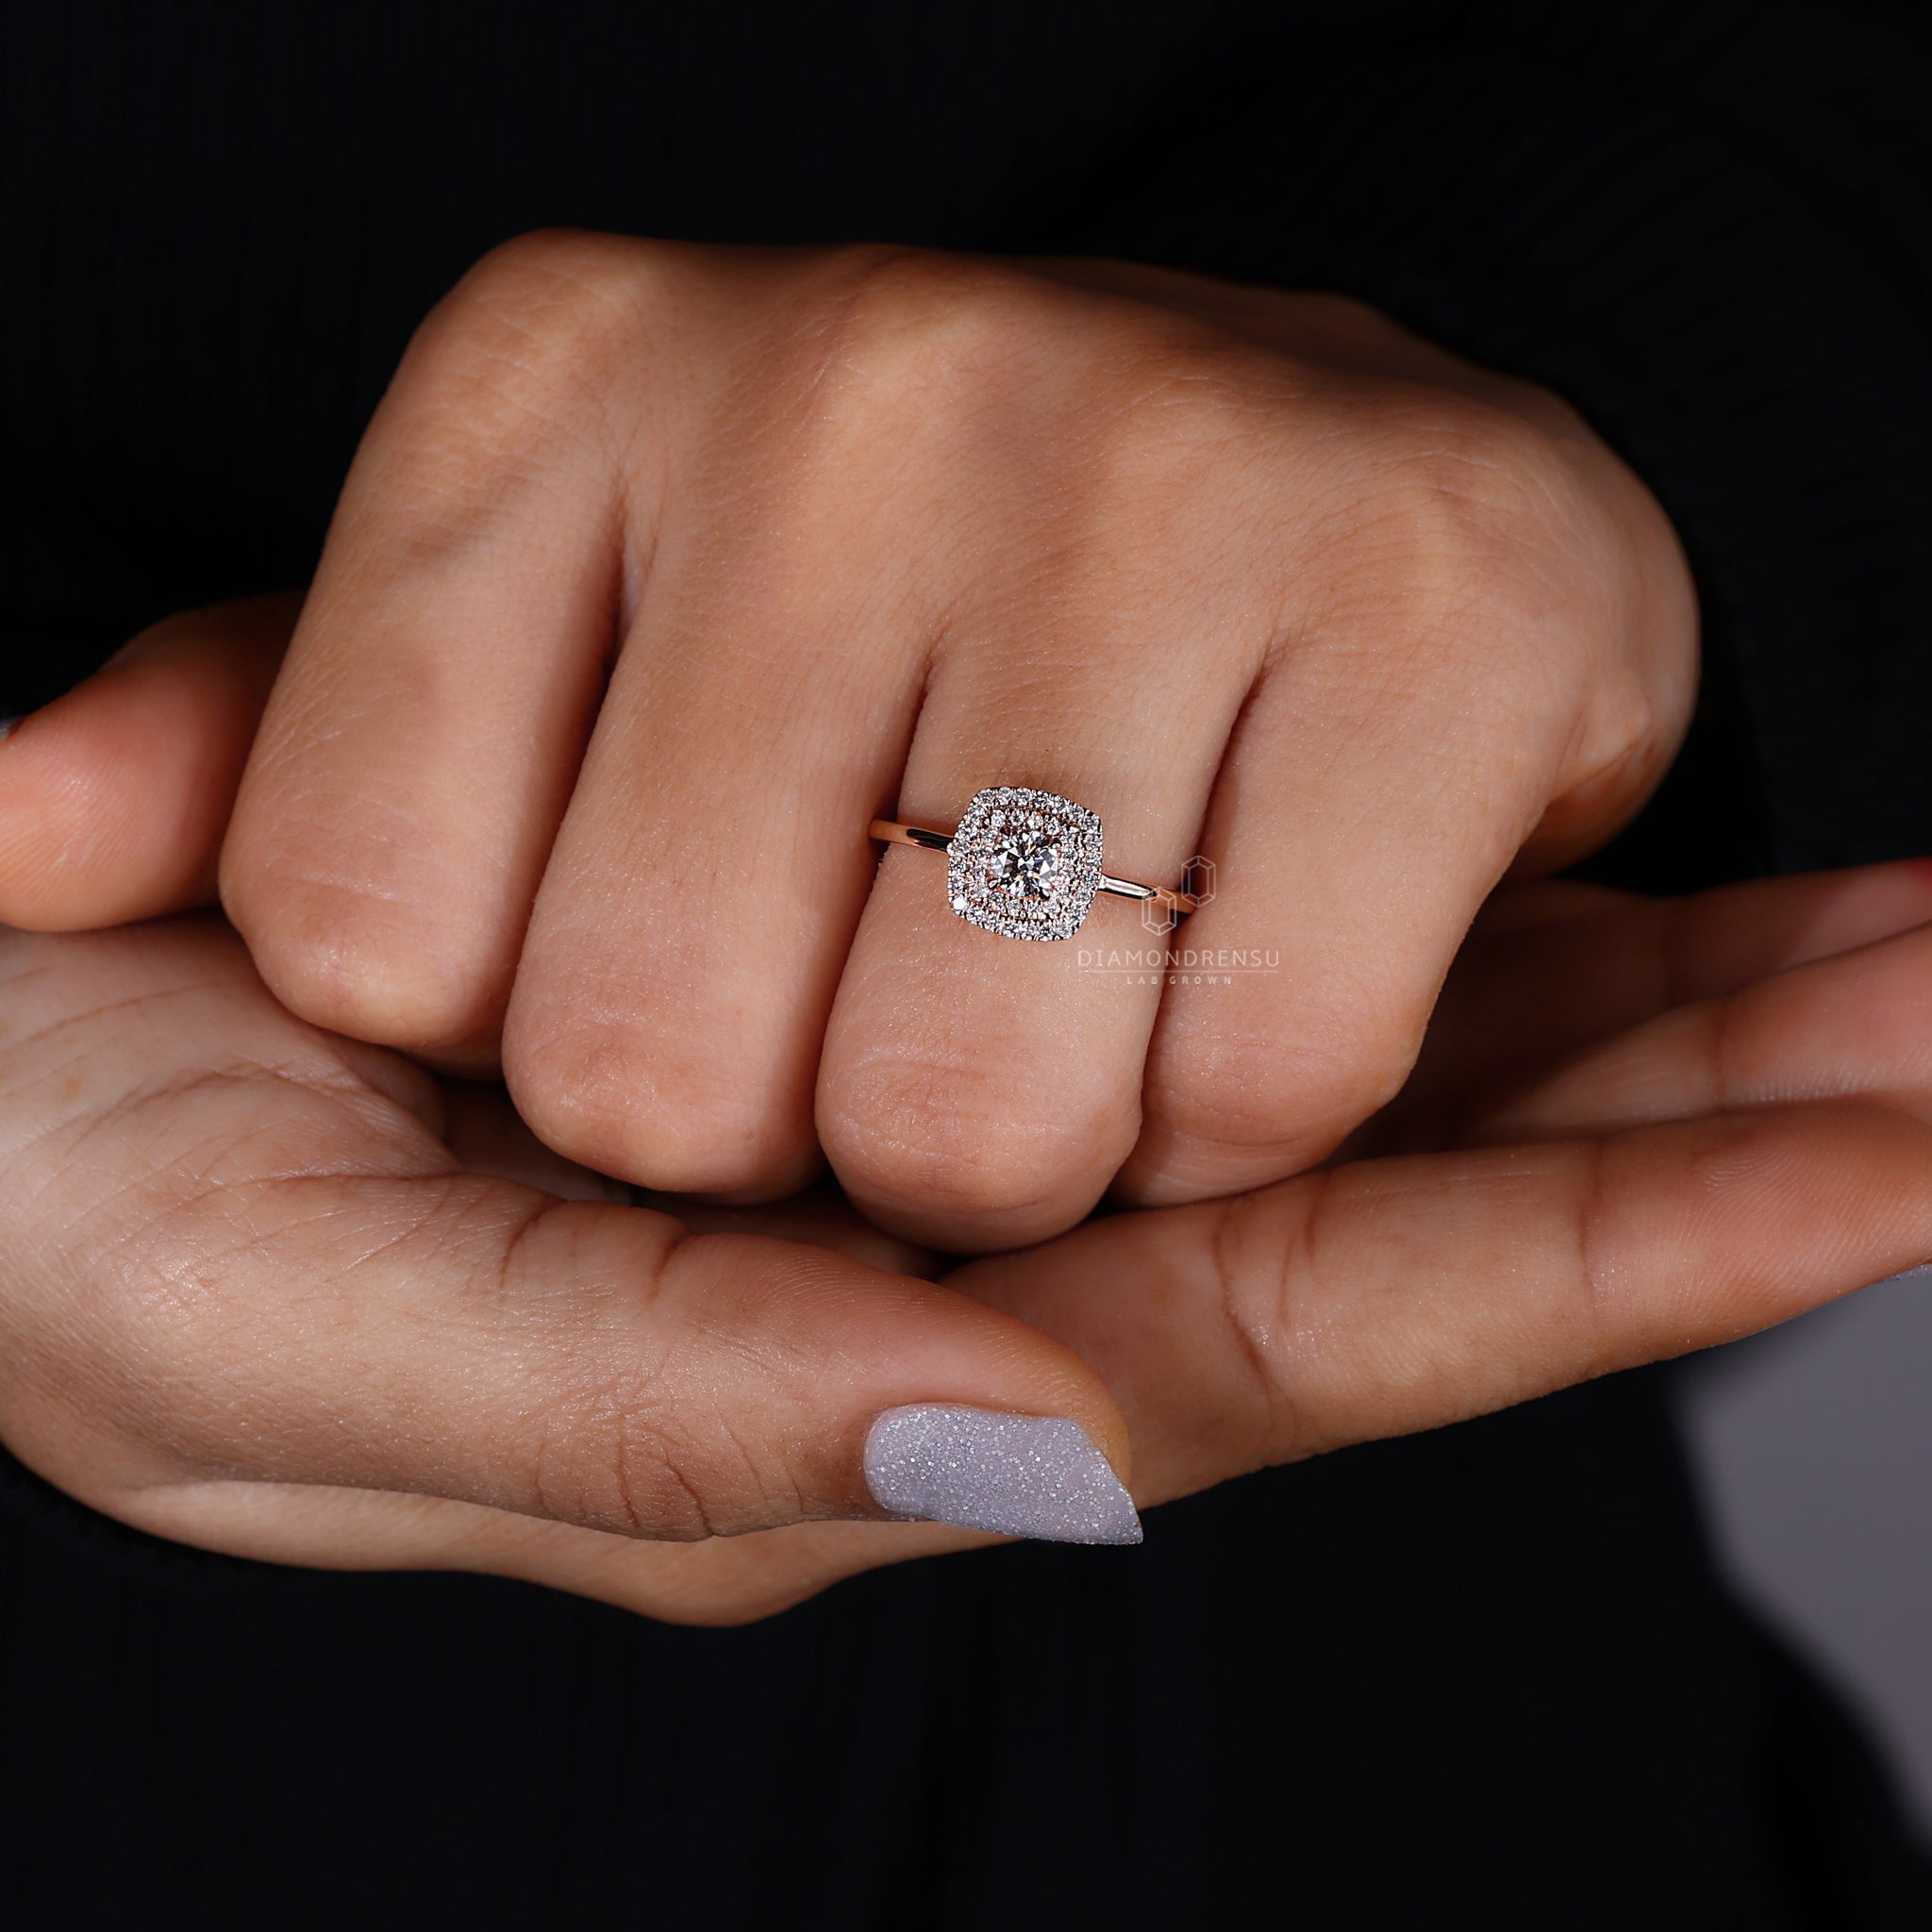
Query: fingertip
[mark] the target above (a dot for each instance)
(1014, 1474)
(1039, 1371)
(113, 798)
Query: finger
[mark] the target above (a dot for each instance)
(1851, 1026)
(1481, 664)
(1390, 1296)
(1394, 1295)
(1383, 1297)
(114, 797)
(481, 1128)
(484, 1131)
(300, 1287)
(976, 1091)
(422, 742)
(1552, 967)
(672, 998)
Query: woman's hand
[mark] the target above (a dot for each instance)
(663, 569)
(263, 1290)
(253, 1298)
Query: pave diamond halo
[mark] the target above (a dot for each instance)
(1025, 863)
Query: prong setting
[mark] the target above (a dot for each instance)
(1025, 863)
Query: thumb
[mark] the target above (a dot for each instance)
(113, 798)
(290, 1281)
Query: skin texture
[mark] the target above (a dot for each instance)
(663, 569)
(267, 1290)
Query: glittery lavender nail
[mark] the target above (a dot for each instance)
(1034, 1475)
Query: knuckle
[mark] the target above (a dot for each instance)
(1130, 415)
(945, 327)
(1172, 422)
(1622, 744)
(950, 1138)
(940, 310)
(1474, 502)
(1262, 1253)
(603, 1089)
(1502, 550)
(568, 1079)
(610, 1460)
(541, 303)
(905, 346)
(357, 959)
(1288, 1100)
(514, 374)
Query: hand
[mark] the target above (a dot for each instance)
(663, 569)
(255, 1300)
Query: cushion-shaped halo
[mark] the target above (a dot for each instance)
(1025, 863)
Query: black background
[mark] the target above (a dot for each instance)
(1484, 1677)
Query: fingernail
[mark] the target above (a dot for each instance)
(1034, 1475)
(8, 725)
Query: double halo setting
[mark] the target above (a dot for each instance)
(1026, 865)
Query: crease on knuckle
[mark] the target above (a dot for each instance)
(1723, 1035)
(621, 1444)
(551, 309)
(629, 1456)
(367, 918)
(920, 344)
(361, 960)
(605, 1458)
(919, 321)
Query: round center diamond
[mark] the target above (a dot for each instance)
(1025, 861)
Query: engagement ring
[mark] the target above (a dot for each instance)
(1025, 863)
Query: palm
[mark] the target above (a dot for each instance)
(354, 1341)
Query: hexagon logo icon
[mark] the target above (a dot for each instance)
(1196, 877)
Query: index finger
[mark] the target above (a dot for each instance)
(1394, 1295)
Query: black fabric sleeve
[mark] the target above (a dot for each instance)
(1707, 228)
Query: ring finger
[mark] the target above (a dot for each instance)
(975, 1093)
